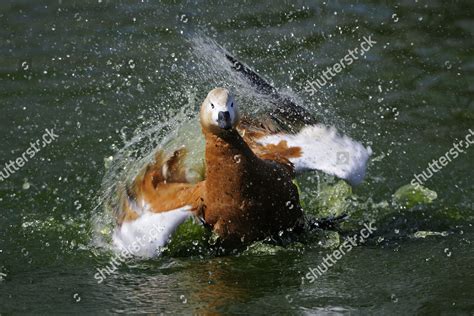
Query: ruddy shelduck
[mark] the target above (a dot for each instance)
(247, 193)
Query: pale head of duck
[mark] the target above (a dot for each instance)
(219, 112)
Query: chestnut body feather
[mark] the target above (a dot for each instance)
(246, 198)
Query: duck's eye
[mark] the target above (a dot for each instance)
(232, 105)
(212, 106)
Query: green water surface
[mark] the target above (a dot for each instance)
(102, 74)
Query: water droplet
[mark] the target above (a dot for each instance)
(183, 299)
(77, 204)
(184, 18)
(447, 252)
(394, 298)
(395, 17)
(131, 64)
(24, 65)
(237, 159)
(108, 162)
(76, 297)
(447, 64)
(26, 185)
(289, 298)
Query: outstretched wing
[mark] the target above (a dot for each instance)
(155, 204)
(160, 187)
(314, 147)
(322, 148)
(285, 115)
(290, 135)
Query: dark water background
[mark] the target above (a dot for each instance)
(101, 72)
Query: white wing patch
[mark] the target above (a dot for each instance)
(145, 236)
(323, 149)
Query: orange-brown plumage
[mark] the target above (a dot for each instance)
(246, 198)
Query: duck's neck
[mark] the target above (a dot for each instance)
(228, 159)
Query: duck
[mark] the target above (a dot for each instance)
(248, 191)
